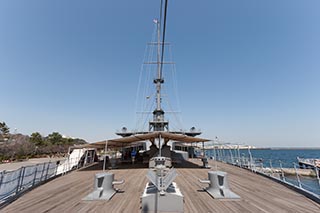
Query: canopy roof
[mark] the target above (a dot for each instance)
(125, 141)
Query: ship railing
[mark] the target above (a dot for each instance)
(15, 183)
(273, 169)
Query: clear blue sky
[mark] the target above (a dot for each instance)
(248, 71)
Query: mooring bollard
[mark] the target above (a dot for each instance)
(218, 185)
(103, 187)
(205, 162)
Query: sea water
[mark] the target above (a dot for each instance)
(287, 157)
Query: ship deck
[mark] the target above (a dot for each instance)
(258, 194)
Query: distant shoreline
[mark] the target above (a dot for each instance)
(287, 148)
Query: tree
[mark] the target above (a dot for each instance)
(4, 130)
(36, 139)
(55, 138)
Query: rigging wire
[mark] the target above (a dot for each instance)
(145, 88)
(145, 103)
(146, 118)
(148, 75)
(138, 88)
(178, 124)
(175, 86)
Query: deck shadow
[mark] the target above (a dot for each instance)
(99, 166)
(187, 164)
(138, 165)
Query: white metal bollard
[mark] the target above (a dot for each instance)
(218, 185)
(103, 187)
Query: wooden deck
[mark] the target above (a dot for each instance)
(258, 194)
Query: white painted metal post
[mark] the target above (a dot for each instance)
(239, 157)
(1, 178)
(204, 154)
(35, 175)
(250, 158)
(231, 156)
(298, 178)
(271, 169)
(78, 160)
(18, 184)
(317, 173)
(44, 164)
(47, 170)
(105, 156)
(282, 173)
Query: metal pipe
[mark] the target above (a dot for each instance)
(159, 70)
(317, 173)
(298, 178)
(47, 170)
(282, 173)
(204, 154)
(105, 155)
(35, 175)
(271, 169)
(78, 159)
(239, 157)
(1, 178)
(250, 157)
(18, 184)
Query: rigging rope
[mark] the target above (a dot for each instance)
(143, 84)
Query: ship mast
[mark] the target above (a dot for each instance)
(158, 123)
(158, 81)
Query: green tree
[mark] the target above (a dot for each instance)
(36, 139)
(4, 130)
(55, 138)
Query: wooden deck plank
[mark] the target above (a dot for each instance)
(258, 194)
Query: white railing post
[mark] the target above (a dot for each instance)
(35, 175)
(251, 161)
(239, 156)
(317, 173)
(18, 184)
(1, 178)
(231, 156)
(298, 178)
(271, 168)
(78, 159)
(282, 172)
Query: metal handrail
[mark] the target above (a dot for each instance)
(32, 175)
(255, 165)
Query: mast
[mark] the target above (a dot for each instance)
(158, 80)
(158, 123)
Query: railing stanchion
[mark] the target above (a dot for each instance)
(250, 158)
(42, 171)
(46, 177)
(18, 182)
(1, 178)
(239, 157)
(22, 177)
(317, 173)
(282, 172)
(35, 175)
(298, 178)
(271, 168)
